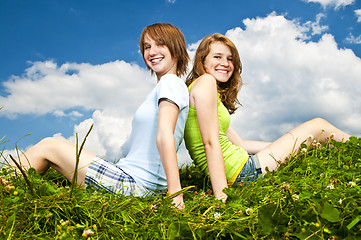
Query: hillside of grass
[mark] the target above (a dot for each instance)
(315, 195)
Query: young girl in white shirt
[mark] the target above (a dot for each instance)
(157, 130)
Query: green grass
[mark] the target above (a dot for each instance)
(315, 195)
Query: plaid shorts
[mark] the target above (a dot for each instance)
(102, 174)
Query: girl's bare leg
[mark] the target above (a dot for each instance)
(58, 154)
(280, 149)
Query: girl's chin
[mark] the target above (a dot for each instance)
(222, 79)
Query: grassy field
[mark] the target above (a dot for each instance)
(315, 195)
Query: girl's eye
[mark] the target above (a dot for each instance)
(146, 47)
(230, 59)
(217, 57)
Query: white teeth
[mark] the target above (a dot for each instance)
(156, 60)
(222, 71)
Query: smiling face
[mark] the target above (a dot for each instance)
(158, 58)
(219, 62)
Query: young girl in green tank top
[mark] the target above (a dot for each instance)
(214, 146)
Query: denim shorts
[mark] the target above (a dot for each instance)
(250, 172)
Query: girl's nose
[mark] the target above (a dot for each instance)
(153, 50)
(225, 62)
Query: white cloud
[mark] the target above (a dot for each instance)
(353, 40)
(47, 88)
(358, 15)
(315, 26)
(60, 113)
(111, 130)
(290, 79)
(332, 3)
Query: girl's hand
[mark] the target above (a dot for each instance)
(178, 202)
(223, 197)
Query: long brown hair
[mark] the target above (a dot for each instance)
(228, 90)
(172, 37)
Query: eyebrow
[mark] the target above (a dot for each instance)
(217, 53)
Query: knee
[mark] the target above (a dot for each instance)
(318, 126)
(319, 122)
(48, 143)
(40, 151)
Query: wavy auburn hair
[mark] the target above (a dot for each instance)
(172, 37)
(228, 90)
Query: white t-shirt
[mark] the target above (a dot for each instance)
(143, 161)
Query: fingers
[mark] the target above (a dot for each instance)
(223, 197)
(178, 203)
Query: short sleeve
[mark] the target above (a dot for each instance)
(172, 88)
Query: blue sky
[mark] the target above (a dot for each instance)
(67, 64)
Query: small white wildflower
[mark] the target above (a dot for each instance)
(332, 135)
(303, 150)
(295, 197)
(318, 145)
(340, 201)
(249, 211)
(203, 195)
(331, 186)
(217, 216)
(87, 233)
(153, 207)
(310, 137)
(352, 184)
(322, 129)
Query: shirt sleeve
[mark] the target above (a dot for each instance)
(173, 89)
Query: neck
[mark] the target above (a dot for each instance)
(159, 77)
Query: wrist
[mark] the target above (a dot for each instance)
(174, 189)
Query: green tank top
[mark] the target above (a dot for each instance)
(234, 156)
